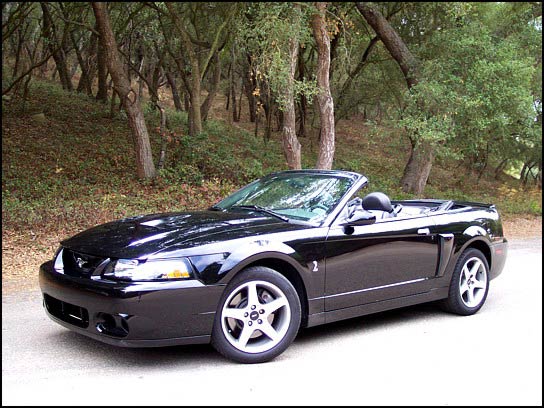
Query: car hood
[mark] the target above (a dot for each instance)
(140, 236)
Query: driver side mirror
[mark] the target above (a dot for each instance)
(360, 218)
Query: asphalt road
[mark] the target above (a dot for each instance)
(413, 356)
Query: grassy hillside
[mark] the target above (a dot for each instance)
(76, 169)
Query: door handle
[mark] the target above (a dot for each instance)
(423, 231)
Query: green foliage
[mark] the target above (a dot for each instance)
(475, 96)
(267, 34)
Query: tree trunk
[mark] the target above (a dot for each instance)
(249, 87)
(19, 48)
(91, 63)
(55, 48)
(102, 67)
(129, 98)
(194, 96)
(418, 168)
(303, 102)
(539, 175)
(392, 41)
(205, 108)
(290, 143)
(235, 116)
(232, 87)
(175, 93)
(500, 168)
(522, 173)
(237, 119)
(83, 80)
(194, 81)
(324, 98)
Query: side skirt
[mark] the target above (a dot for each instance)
(375, 307)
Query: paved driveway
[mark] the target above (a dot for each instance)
(411, 356)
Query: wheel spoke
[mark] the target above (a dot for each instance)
(466, 273)
(470, 295)
(245, 335)
(252, 297)
(475, 267)
(271, 307)
(234, 313)
(269, 331)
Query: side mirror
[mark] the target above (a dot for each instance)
(360, 218)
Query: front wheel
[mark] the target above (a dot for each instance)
(258, 316)
(469, 284)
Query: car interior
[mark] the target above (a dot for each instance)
(381, 206)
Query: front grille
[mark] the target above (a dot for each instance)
(78, 316)
(79, 265)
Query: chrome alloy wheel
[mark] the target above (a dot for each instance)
(473, 282)
(255, 317)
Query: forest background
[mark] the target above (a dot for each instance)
(116, 109)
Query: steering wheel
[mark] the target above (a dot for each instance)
(320, 207)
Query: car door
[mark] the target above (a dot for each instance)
(391, 258)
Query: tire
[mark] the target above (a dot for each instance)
(469, 284)
(258, 316)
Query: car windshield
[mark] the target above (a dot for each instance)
(292, 196)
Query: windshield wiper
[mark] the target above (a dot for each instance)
(262, 209)
(216, 208)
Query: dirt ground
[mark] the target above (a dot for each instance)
(520, 227)
(22, 256)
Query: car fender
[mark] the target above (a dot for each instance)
(245, 255)
(470, 235)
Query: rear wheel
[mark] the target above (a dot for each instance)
(258, 316)
(469, 284)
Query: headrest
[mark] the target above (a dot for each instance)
(377, 201)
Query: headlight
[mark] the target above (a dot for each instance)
(59, 265)
(135, 270)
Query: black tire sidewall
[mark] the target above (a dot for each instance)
(455, 302)
(223, 346)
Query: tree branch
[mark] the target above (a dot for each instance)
(28, 71)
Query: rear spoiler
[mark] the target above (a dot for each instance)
(476, 204)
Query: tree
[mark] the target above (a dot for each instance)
(417, 170)
(324, 97)
(198, 68)
(129, 98)
(272, 36)
(290, 143)
(56, 48)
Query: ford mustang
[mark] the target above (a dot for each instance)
(291, 250)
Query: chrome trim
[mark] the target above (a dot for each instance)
(376, 287)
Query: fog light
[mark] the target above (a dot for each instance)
(112, 325)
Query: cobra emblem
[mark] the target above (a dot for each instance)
(80, 262)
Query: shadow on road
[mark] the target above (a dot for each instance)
(205, 354)
(369, 323)
(136, 357)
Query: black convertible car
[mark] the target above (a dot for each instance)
(293, 249)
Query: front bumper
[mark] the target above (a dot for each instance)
(131, 314)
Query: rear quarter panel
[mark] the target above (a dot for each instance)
(480, 227)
